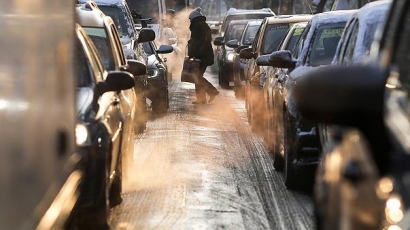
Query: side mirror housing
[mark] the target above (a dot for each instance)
(136, 68)
(219, 41)
(351, 96)
(233, 43)
(246, 53)
(116, 81)
(165, 49)
(263, 60)
(146, 35)
(282, 59)
(214, 30)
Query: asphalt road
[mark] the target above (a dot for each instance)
(201, 167)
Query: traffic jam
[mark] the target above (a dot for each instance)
(192, 114)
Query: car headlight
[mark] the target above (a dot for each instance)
(152, 73)
(81, 134)
(230, 56)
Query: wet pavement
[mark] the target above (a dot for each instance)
(201, 167)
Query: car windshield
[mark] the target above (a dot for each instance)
(234, 32)
(118, 17)
(81, 68)
(324, 44)
(274, 35)
(101, 42)
(250, 34)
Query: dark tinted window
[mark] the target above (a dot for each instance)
(234, 32)
(119, 18)
(101, 42)
(82, 67)
(274, 35)
(230, 18)
(249, 35)
(295, 37)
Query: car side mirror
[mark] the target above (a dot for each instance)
(165, 49)
(214, 30)
(136, 68)
(116, 81)
(351, 96)
(282, 59)
(247, 53)
(233, 43)
(219, 41)
(263, 60)
(146, 35)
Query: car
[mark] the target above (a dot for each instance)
(240, 64)
(103, 32)
(158, 75)
(225, 54)
(242, 14)
(331, 203)
(272, 74)
(267, 39)
(370, 102)
(100, 130)
(120, 13)
(297, 146)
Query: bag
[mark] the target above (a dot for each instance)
(190, 70)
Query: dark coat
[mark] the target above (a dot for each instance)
(200, 44)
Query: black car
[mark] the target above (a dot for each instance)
(99, 132)
(369, 102)
(157, 76)
(225, 54)
(297, 146)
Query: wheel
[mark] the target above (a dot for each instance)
(161, 104)
(291, 181)
(222, 78)
(278, 148)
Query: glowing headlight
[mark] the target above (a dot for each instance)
(230, 56)
(152, 73)
(81, 134)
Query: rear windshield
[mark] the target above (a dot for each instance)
(249, 35)
(119, 18)
(274, 35)
(324, 44)
(230, 18)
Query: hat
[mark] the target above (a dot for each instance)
(195, 13)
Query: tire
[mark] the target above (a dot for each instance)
(161, 104)
(291, 180)
(278, 146)
(222, 78)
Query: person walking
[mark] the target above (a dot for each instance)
(200, 47)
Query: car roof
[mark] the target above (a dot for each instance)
(289, 18)
(89, 14)
(368, 10)
(233, 11)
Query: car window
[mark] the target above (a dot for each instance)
(101, 42)
(347, 55)
(249, 35)
(299, 45)
(81, 67)
(323, 47)
(149, 50)
(402, 60)
(274, 35)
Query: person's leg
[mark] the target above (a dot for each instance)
(200, 89)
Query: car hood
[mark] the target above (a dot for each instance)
(84, 100)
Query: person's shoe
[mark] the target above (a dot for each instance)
(198, 102)
(212, 97)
